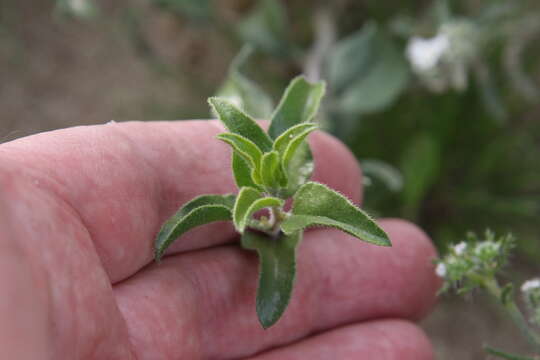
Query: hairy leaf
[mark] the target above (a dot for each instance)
(199, 211)
(281, 143)
(246, 197)
(248, 150)
(292, 147)
(277, 271)
(240, 123)
(271, 173)
(257, 205)
(242, 172)
(299, 104)
(316, 204)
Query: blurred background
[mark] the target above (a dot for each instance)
(439, 101)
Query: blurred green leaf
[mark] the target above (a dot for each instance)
(197, 9)
(366, 72)
(199, 211)
(420, 166)
(277, 265)
(316, 204)
(384, 172)
(243, 92)
(266, 27)
(240, 123)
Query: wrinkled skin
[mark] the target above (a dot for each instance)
(79, 209)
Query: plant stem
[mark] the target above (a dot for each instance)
(493, 288)
(325, 37)
(504, 355)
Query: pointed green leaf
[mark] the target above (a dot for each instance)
(242, 172)
(316, 204)
(292, 147)
(257, 205)
(199, 211)
(240, 123)
(271, 173)
(247, 149)
(299, 169)
(277, 265)
(299, 104)
(246, 197)
(281, 143)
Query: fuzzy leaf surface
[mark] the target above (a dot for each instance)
(240, 123)
(281, 143)
(247, 149)
(199, 211)
(257, 205)
(242, 172)
(299, 104)
(271, 173)
(292, 147)
(316, 204)
(277, 270)
(246, 197)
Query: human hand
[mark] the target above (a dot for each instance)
(79, 211)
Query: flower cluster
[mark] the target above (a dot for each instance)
(531, 294)
(442, 61)
(470, 263)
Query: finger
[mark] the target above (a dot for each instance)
(204, 302)
(381, 339)
(124, 180)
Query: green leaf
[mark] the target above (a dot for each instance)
(271, 172)
(376, 77)
(240, 123)
(242, 172)
(199, 211)
(281, 143)
(265, 27)
(246, 197)
(292, 148)
(420, 167)
(299, 104)
(243, 92)
(277, 265)
(257, 205)
(299, 169)
(197, 9)
(351, 57)
(248, 150)
(316, 204)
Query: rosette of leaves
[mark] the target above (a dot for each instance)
(270, 167)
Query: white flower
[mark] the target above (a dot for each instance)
(530, 285)
(425, 53)
(487, 246)
(460, 248)
(440, 270)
